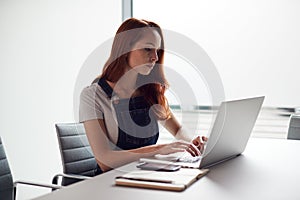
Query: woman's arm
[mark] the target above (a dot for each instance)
(174, 127)
(108, 158)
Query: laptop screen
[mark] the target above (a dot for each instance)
(231, 130)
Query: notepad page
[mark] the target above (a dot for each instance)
(182, 176)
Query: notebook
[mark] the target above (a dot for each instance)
(229, 135)
(161, 180)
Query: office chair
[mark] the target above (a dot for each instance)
(294, 127)
(7, 186)
(77, 158)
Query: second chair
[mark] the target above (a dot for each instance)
(77, 158)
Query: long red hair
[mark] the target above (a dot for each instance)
(127, 35)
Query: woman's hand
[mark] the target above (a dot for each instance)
(199, 142)
(178, 146)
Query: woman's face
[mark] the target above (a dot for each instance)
(144, 54)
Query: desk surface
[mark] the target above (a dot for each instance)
(268, 169)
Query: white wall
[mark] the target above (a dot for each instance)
(43, 44)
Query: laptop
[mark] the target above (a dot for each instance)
(228, 137)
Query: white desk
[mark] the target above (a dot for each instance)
(268, 169)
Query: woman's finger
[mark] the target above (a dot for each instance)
(195, 151)
(192, 148)
(196, 141)
(204, 139)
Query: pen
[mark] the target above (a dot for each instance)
(143, 179)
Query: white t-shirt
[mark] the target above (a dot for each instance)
(95, 104)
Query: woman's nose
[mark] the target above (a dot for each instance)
(154, 56)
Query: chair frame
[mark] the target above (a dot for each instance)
(65, 131)
(24, 182)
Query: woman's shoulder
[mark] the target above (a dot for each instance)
(91, 87)
(92, 91)
(89, 90)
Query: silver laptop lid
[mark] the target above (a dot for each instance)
(231, 130)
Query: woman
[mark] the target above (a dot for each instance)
(120, 110)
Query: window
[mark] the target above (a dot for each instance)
(253, 43)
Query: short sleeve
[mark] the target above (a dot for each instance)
(90, 106)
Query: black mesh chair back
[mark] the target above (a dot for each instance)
(6, 179)
(76, 154)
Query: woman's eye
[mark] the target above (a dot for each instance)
(148, 49)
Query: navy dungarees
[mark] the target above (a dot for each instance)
(137, 126)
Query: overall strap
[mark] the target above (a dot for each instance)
(106, 87)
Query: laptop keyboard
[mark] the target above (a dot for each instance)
(189, 159)
(179, 157)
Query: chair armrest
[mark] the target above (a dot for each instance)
(74, 176)
(52, 186)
